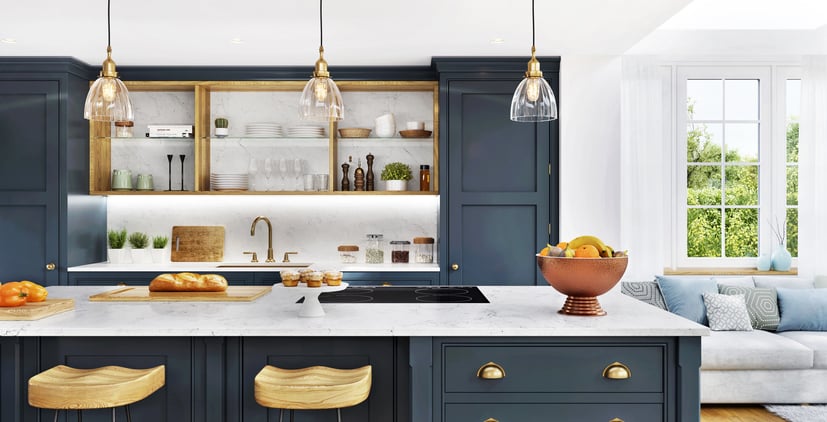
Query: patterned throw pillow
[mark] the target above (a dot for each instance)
(644, 291)
(726, 312)
(762, 305)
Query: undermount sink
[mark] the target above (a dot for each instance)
(266, 265)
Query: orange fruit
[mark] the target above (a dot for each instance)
(586, 251)
(563, 245)
(545, 251)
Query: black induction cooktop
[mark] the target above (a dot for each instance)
(405, 294)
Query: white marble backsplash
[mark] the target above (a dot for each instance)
(311, 225)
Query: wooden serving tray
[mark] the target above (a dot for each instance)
(36, 310)
(142, 294)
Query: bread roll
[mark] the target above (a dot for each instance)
(188, 282)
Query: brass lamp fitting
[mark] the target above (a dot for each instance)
(321, 66)
(108, 69)
(533, 67)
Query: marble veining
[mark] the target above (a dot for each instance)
(513, 311)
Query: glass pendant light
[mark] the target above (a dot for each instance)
(533, 101)
(108, 98)
(321, 99)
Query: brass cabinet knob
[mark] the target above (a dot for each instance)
(491, 371)
(616, 420)
(50, 266)
(494, 420)
(617, 371)
(454, 267)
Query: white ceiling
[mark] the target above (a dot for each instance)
(357, 32)
(750, 15)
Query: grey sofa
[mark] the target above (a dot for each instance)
(756, 366)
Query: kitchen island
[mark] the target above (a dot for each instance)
(425, 356)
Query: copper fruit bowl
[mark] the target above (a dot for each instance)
(582, 280)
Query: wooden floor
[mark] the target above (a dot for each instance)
(736, 413)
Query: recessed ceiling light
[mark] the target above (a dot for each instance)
(237, 41)
(496, 41)
(8, 41)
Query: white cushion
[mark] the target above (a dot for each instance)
(815, 341)
(785, 282)
(727, 312)
(753, 350)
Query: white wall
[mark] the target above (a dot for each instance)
(590, 147)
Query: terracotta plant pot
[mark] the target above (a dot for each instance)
(582, 280)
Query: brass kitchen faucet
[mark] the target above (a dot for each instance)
(269, 236)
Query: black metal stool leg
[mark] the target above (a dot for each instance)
(80, 415)
(291, 415)
(113, 414)
(128, 414)
(57, 412)
(281, 414)
(339, 414)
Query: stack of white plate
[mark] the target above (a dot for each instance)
(228, 181)
(263, 130)
(306, 132)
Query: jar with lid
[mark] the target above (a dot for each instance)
(400, 252)
(423, 250)
(375, 249)
(424, 178)
(123, 129)
(347, 253)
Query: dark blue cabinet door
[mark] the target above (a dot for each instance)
(29, 136)
(498, 180)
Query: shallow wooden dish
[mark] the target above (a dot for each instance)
(415, 133)
(354, 132)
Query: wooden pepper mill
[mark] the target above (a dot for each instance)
(359, 177)
(345, 180)
(369, 177)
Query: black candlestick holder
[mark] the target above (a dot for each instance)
(169, 177)
(183, 157)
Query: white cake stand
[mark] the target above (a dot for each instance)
(311, 307)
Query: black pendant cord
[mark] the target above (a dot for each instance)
(109, 23)
(321, 26)
(532, 24)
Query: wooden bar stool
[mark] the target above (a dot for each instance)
(64, 387)
(313, 388)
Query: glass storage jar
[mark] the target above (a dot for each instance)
(423, 250)
(400, 252)
(375, 249)
(124, 129)
(348, 253)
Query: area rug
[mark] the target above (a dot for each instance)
(799, 413)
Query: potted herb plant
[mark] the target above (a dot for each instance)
(139, 242)
(396, 176)
(117, 239)
(221, 127)
(159, 244)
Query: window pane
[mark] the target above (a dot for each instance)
(741, 236)
(741, 99)
(741, 185)
(703, 229)
(792, 231)
(792, 142)
(704, 142)
(705, 99)
(703, 185)
(741, 142)
(792, 185)
(793, 99)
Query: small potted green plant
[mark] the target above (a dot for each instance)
(159, 244)
(117, 239)
(221, 127)
(396, 176)
(139, 242)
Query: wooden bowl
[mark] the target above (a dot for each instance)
(582, 280)
(415, 133)
(354, 132)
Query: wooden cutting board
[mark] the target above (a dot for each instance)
(142, 294)
(197, 244)
(36, 310)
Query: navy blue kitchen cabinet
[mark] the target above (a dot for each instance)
(47, 220)
(142, 278)
(500, 178)
(262, 278)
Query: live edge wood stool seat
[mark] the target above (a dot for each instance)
(64, 387)
(312, 388)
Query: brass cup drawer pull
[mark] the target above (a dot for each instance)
(494, 420)
(617, 371)
(491, 371)
(616, 420)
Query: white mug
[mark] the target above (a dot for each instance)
(415, 125)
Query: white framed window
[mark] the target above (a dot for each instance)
(731, 166)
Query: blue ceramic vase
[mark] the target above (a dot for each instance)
(781, 259)
(764, 262)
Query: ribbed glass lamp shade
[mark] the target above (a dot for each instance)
(321, 101)
(108, 101)
(533, 101)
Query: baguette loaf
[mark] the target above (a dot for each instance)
(188, 282)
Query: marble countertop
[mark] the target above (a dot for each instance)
(173, 267)
(513, 311)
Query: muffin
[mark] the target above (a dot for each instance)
(333, 278)
(303, 273)
(314, 279)
(290, 278)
